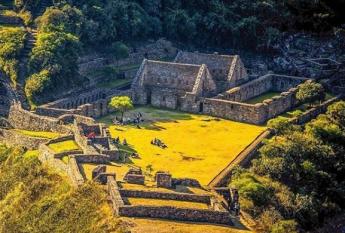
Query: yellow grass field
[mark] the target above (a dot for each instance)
(158, 202)
(199, 146)
(141, 225)
(64, 146)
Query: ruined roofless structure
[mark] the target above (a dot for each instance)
(227, 71)
(190, 76)
(212, 84)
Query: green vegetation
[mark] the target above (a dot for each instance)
(33, 199)
(64, 146)
(38, 134)
(309, 92)
(261, 98)
(11, 45)
(53, 64)
(121, 104)
(298, 177)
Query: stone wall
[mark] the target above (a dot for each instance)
(93, 103)
(74, 171)
(260, 86)
(314, 112)
(114, 195)
(179, 214)
(13, 138)
(22, 119)
(166, 196)
(233, 110)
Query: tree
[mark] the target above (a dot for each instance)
(284, 226)
(279, 124)
(121, 104)
(309, 92)
(337, 113)
(120, 51)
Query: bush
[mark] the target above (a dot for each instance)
(12, 43)
(36, 84)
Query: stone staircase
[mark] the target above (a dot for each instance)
(22, 72)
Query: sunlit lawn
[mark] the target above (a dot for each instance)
(158, 202)
(142, 225)
(261, 98)
(38, 134)
(198, 146)
(64, 146)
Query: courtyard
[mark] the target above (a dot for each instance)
(198, 146)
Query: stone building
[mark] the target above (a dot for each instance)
(168, 85)
(227, 71)
(212, 84)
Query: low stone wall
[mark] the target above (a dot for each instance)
(97, 159)
(74, 172)
(166, 196)
(114, 195)
(233, 111)
(314, 112)
(13, 138)
(61, 139)
(242, 159)
(47, 156)
(179, 214)
(22, 119)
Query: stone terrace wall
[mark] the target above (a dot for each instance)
(234, 111)
(13, 138)
(114, 194)
(166, 196)
(314, 112)
(89, 104)
(180, 214)
(22, 119)
(261, 85)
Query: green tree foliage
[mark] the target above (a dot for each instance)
(120, 50)
(285, 226)
(36, 84)
(65, 19)
(279, 124)
(121, 104)
(309, 92)
(57, 52)
(34, 199)
(11, 45)
(310, 162)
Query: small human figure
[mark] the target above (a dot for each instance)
(125, 142)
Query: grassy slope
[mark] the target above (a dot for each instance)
(34, 199)
(198, 146)
(261, 98)
(162, 226)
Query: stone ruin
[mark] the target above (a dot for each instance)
(212, 84)
(134, 176)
